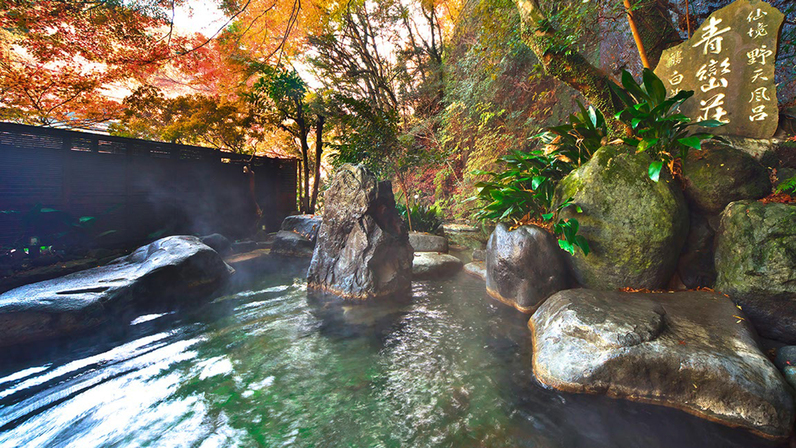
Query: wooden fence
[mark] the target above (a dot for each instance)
(133, 189)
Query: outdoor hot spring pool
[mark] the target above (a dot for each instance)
(270, 367)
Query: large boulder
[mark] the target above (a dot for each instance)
(756, 264)
(296, 237)
(432, 265)
(763, 150)
(693, 351)
(363, 249)
(304, 225)
(635, 227)
(720, 174)
(524, 266)
(167, 271)
(426, 242)
(217, 242)
(291, 244)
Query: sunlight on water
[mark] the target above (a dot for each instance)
(273, 367)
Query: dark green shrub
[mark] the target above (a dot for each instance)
(423, 218)
(788, 186)
(524, 191)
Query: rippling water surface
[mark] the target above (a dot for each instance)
(271, 367)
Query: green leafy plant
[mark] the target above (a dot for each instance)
(524, 192)
(659, 129)
(577, 140)
(567, 230)
(424, 218)
(788, 186)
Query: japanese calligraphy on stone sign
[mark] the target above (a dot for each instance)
(729, 64)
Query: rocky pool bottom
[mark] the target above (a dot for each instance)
(269, 366)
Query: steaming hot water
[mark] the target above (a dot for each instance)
(270, 367)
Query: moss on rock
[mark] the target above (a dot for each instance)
(756, 264)
(718, 175)
(635, 227)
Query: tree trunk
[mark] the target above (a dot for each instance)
(642, 52)
(566, 65)
(656, 29)
(305, 149)
(299, 169)
(318, 152)
(406, 200)
(656, 33)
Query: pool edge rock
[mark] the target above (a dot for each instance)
(693, 351)
(524, 267)
(172, 269)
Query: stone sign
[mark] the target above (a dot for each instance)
(729, 64)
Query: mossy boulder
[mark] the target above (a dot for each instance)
(719, 174)
(635, 227)
(756, 264)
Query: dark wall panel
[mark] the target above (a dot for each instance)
(136, 188)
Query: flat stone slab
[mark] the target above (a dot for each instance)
(248, 259)
(175, 268)
(694, 351)
(476, 269)
(465, 236)
(426, 242)
(431, 265)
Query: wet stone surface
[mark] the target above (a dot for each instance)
(693, 351)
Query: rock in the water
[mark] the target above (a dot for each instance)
(432, 265)
(363, 248)
(756, 264)
(465, 236)
(176, 268)
(688, 350)
(426, 242)
(479, 255)
(291, 244)
(696, 268)
(217, 242)
(719, 174)
(305, 225)
(524, 266)
(635, 227)
(476, 269)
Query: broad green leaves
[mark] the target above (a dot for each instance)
(658, 128)
(524, 190)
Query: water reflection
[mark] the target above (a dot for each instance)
(272, 366)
